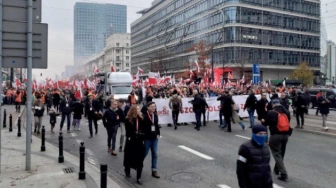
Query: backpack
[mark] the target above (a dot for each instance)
(283, 123)
(176, 104)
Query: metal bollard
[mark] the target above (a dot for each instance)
(10, 123)
(81, 174)
(43, 139)
(19, 127)
(103, 175)
(4, 120)
(60, 146)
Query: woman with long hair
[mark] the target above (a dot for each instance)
(134, 148)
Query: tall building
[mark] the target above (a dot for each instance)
(93, 23)
(324, 51)
(331, 62)
(116, 54)
(278, 35)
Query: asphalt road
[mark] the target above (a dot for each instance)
(207, 158)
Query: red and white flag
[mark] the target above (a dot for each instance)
(112, 69)
(196, 64)
(284, 83)
(140, 71)
(191, 73)
(95, 69)
(243, 79)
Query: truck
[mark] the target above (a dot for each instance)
(117, 83)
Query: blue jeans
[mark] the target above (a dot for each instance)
(152, 144)
(251, 116)
(198, 117)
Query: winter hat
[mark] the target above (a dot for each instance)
(275, 101)
(258, 128)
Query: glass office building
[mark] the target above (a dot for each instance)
(93, 23)
(274, 33)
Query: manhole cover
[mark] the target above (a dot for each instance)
(186, 177)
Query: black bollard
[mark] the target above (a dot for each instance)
(19, 127)
(60, 146)
(103, 175)
(43, 139)
(10, 123)
(4, 120)
(81, 174)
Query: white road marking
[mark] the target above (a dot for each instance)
(223, 186)
(73, 134)
(277, 186)
(243, 137)
(320, 132)
(90, 160)
(196, 152)
(89, 152)
(78, 141)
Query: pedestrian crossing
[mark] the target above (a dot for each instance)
(225, 186)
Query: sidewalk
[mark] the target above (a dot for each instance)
(45, 170)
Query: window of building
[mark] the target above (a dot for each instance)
(127, 44)
(118, 58)
(118, 64)
(127, 51)
(117, 44)
(127, 64)
(127, 57)
(118, 51)
(118, 70)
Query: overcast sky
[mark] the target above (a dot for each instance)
(59, 15)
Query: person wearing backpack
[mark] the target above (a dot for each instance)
(278, 121)
(175, 104)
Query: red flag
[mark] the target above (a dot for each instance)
(140, 71)
(17, 83)
(152, 81)
(112, 69)
(191, 73)
(196, 64)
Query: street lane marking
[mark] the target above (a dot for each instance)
(277, 186)
(196, 152)
(78, 141)
(223, 186)
(319, 132)
(73, 134)
(243, 137)
(89, 152)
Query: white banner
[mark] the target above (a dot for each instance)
(165, 113)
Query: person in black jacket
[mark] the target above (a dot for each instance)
(91, 111)
(65, 110)
(124, 108)
(227, 110)
(56, 100)
(134, 148)
(250, 105)
(204, 107)
(111, 121)
(284, 101)
(324, 104)
(274, 96)
(278, 140)
(197, 102)
(152, 134)
(221, 98)
(253, 163)
(300, 106)
(77, 110)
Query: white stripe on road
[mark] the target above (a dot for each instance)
(73, 134)
(78, 141)
(196, 152)
(277, 186)
(223, 186)
(319, 132)
(89, 152)
(243, 137)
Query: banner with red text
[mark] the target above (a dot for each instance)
(165, 113)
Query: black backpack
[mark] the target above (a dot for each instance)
(176, 104)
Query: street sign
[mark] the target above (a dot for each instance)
(256, 73)
(16, 10)
(14, 45)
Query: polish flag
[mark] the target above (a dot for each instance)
(243, 79)
(17, 83)
(191, 73)
(140, 71)
(196, 64)
(238, 85)
(112, 69)
(95, 69)
(284, 83)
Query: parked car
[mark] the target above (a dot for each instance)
(331, 96)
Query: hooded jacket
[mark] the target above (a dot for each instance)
(272, 119)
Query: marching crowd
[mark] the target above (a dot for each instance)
(140, 129)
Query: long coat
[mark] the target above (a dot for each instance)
(134, 148)
(78, 110)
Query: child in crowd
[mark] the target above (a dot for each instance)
(53, 115)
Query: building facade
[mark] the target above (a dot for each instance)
(116, 54)
(331, 62)
(278, 34)
(324, 51)
(93, 23)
